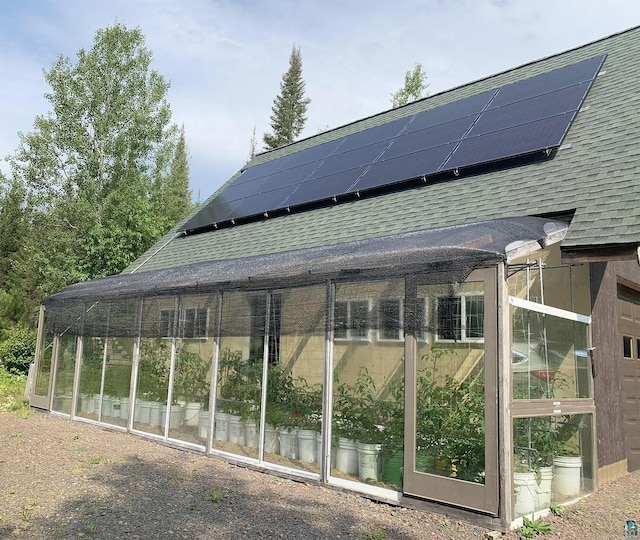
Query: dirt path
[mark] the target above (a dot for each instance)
(62, 479)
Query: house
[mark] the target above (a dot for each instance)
(436, 306)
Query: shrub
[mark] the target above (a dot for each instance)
(18, 349)
(12, 393)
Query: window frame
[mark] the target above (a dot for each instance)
(349, 330)
(400, 318)
(462, 317)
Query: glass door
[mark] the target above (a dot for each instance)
(42, 381)
(451, 398)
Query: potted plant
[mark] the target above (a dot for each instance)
(567, 462)
(191, 384)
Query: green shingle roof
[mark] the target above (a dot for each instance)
(595, 174)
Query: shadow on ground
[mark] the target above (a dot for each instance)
(144, 499)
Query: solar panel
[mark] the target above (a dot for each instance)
(516, 119)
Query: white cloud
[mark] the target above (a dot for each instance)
(225, 58)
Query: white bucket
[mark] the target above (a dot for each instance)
(175, 416)
(203, 424)
(306, 445)
(221, 432)
(124, 408)
(154, 413)
(107, 406)
(145, 412)
(543, 490)
(288, 444)
(191, 411)
(271, 440)
(236, 430)
(252, 434)
(347, 456)
(369, 461)
(524, 486)
(567, 472)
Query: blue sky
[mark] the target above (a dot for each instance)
(225, 58)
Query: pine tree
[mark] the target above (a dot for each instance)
(290, 106)
(172, 195)
(415, 87)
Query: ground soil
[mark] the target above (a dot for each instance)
(62, 479)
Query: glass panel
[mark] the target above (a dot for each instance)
(549, 357)
(93, 350)
(294, 379)
(118, 362)
(565, 286)
(240, 366)
(152, 386)
(627, 345)
(65, 369)
(44, 362)
(450, 396)
(368, 391)
(638, 349)
(553, 461)
(192, 373)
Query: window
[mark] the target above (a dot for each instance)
(460, 318)
(194, 322)
(422, 323)
(166, 323)
(390, 324)
(256, 337)
(351, 320)
(627, 346)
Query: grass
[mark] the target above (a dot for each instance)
(215, 495)
(12, 393)
(376, 534)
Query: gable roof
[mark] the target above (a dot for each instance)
(593, 177)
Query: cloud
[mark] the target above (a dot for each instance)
(225, 58)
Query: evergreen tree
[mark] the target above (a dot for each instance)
(415, 87)
(290, 106)
(172, 196)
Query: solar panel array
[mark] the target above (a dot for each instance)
(517, 119)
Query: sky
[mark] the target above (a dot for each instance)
(225, 58)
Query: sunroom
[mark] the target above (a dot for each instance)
(445, 369)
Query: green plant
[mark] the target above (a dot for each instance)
(215, 495)
(12, 397)
(450, 418)
(375, 534)
(191, 377)
(239, 384)
(531, 528)
(153, 371)
(557, 509)
(17, 350)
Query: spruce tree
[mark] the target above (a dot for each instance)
(290, 106)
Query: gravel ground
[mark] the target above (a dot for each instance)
(62, 479)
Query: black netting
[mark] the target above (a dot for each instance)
(181, 301)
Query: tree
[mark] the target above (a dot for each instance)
(172, 196)
(415, 87)
(289, 107)
(90, 166)
(13, 226)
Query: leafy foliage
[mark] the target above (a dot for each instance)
(12, 387)
(103, 174)
(289, 107)
(415, 87)
(18, 350)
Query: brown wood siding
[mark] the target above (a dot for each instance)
(606, 338)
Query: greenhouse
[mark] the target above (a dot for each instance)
(430, 324)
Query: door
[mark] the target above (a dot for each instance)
(42, 370)
(451, 404)
(629, 324)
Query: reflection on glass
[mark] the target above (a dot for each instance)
(553, 461)
(550, 357)
(65, 368)
(192, 372)
(368, 389)
(44, 362)
(239, 385)
(450, 397)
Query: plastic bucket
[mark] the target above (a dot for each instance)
(567, 472)
(369, 461)
(236, 430)
(306, 445)
(222, 426)
(347, 456)
(524, 486)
